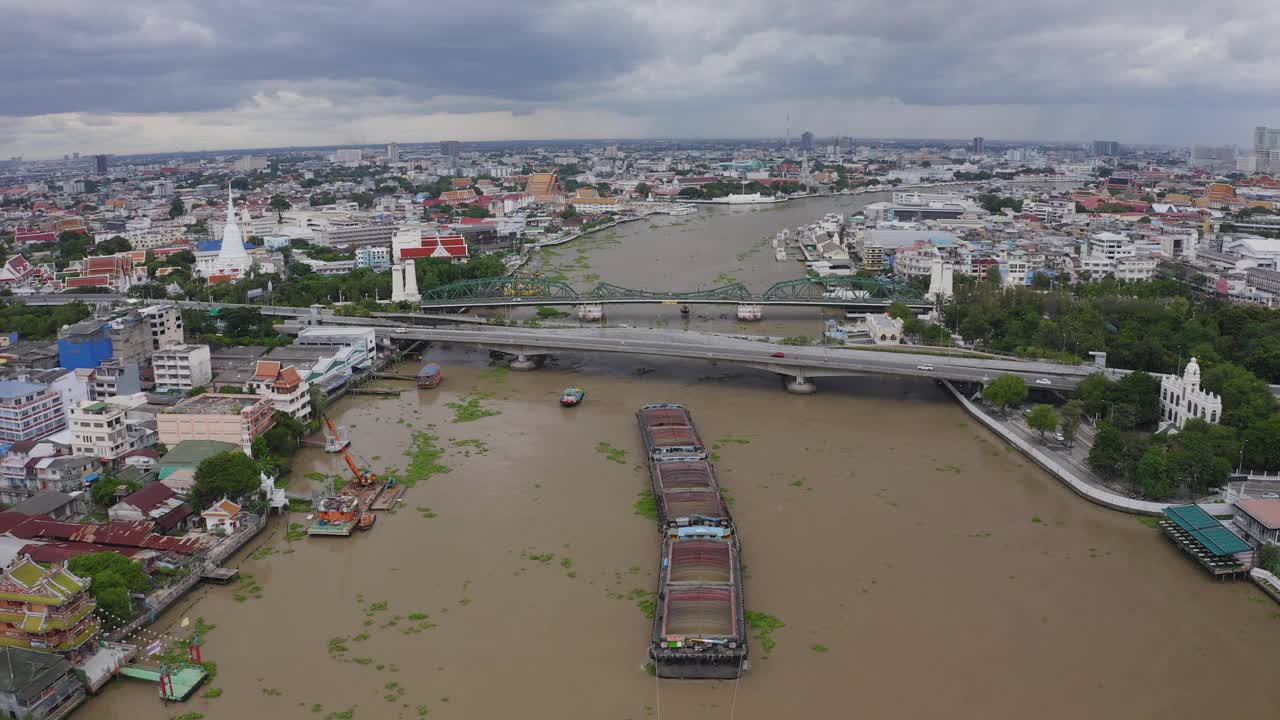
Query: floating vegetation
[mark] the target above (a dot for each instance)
(212, 693)
(819, 648)
(499, 373)
(263, 552)
(763, 625)
(1151, 522)
(427, 513)
(646, 600)
(470, 411)
(566, 563)
(617, 455)
(647, 505)
(472, 445)
(424, 459)
(542, 558)
(730, 440)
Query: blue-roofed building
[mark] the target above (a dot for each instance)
(84, 345)
(29, 411)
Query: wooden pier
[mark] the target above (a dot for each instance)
(220, 575)
(384, 392)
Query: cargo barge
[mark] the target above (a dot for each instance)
(699, 627)
(687, 493)
(668, 431)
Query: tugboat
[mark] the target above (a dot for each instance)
(572, 396)
(366, 521)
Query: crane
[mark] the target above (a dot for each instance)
(363, 479)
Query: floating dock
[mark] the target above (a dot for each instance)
(699, 624)
(179, 683)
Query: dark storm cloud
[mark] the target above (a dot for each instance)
(663, 59)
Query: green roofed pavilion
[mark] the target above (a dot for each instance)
(1210, 533)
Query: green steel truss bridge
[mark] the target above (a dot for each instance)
(522, 290)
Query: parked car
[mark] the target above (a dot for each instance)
(924, 367)
(1059, 437)
(1043, 381)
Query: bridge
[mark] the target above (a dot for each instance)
(799, 363)
(871, 293)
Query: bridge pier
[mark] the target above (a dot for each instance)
(799, 384)
(526, 362)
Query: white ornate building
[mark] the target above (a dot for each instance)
(1182, 398)
(231, 259)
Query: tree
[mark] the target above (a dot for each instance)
(1044, 419)
(322, 199)
(111, 246)
(113, 577)
(1106, 457)
(476, 211)
(103, 490)
(1072, 414)
(568, 212)
(1262, 444)
(74, 244)
(1005, 392)
(900, 311)
(279, 203)
(1152, 473)
(230, 474)
(1140, 390)
(176, 208)
(1245, 398)
(642, 189)
(1192, 462)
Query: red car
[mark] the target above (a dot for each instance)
(778, 354)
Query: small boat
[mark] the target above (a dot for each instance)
(572, 396)
(430, 375)
(366, 521)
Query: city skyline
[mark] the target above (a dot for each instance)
(172, 77)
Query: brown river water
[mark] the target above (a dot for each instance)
(921, 568)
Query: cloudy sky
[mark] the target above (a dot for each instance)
(156, 75)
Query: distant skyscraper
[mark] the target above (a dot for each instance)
(393, 152)
(806, 140)
(1106, 148)
(979, 146)
(75, 156)
(611, 150)
(351, 155)
(100, 164)
(1266, 148)
(450, 148)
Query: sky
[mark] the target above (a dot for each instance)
(137, 76)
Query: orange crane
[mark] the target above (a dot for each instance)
(363, 479)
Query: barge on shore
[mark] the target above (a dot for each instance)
(699, 627)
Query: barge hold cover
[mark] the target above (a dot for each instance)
(687, 493)
(698, 629)
(668, 430)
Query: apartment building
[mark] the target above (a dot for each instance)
(182, 367)
(165, 322)
(98, 430)
(375, 258)
(225, 417)
(29, 411)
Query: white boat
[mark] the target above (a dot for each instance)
(683, 210)
(780, 254)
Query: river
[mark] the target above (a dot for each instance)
(921, 568)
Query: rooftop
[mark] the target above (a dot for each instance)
(215, 404)
(30, 668)
(1266, 512)
(11, 389)
(1207, 531)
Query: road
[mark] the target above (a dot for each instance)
(796, 361)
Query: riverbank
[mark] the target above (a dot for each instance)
(1079, 485)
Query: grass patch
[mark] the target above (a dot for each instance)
(188, 716)
(763, 625)
(647, 505)
(548, 313)
(646, 600)
(263, 552)
(819, 648)
(470, 445)
(295, 532)
(427, 513)
(542, 558)
(566, 563)
(317, 476)
(617, 455)
(212, 693)
(470, 411)
(299, 506)
(343, 715)
(1151, 522)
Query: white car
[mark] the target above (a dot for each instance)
(1059, 437)
(1043, 381)
(924, 367)
(401, 331)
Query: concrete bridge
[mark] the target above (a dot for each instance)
(798, 363)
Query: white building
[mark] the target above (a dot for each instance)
(250, 163)
(1111, 246)
(361, 339)
(166, 325)
(1181, 399)
(98, 430)
(182, 367)
(284, 386)
(348, 155)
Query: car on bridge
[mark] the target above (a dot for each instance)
(925, 367)
(1043, 381)
(778, 354)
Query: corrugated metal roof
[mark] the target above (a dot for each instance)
(1216, 538)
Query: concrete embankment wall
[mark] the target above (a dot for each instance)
(1092, 493)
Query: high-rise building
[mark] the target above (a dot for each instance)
(806, 140)
(350, 155)
(250, 163)
(1266, 148)
(979, 146)
(611, 150)
(1106, 148)
(75, 156)
(393, 152)
(1208, 156)
(450, 148)
(100, 164)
